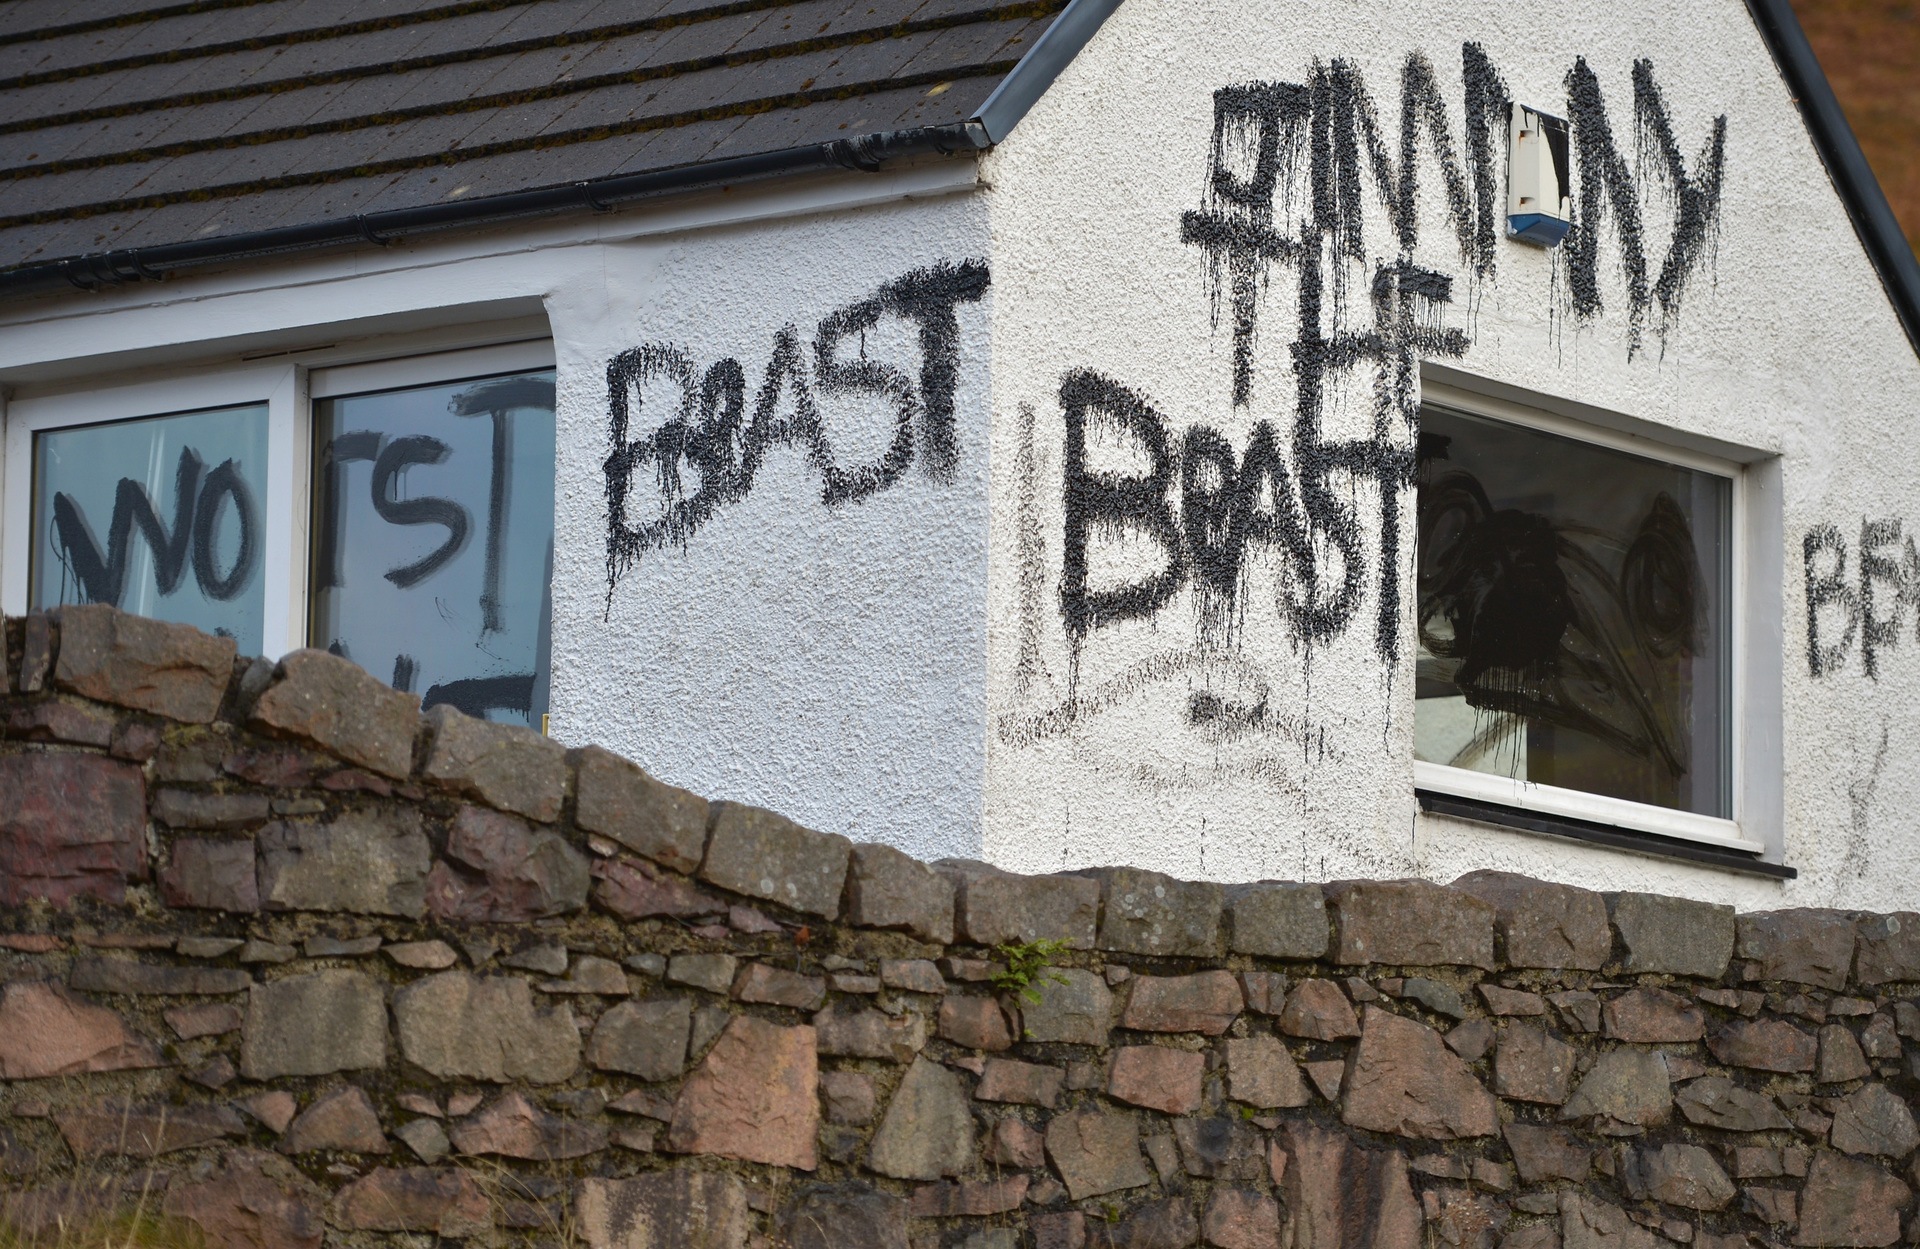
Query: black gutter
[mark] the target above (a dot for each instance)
(1873, 219)
(867, 153)
(992, 122)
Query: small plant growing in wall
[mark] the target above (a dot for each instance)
(1026, 968)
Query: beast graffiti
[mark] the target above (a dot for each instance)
(711, 434)
(1867, 609)
(1310, 220)
(1295, 173)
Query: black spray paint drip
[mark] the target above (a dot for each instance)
(710, 432)
(496, 400)
(1608, 191)
(1029, 666)
(1695, 197)
(1235, 229)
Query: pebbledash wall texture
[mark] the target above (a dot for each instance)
(301, 966)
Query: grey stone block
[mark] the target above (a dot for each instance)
(1888, 948)
(644, 1039)
(617, 799)
(330, 1020)
(847, 1217)
(183, 808)
(1078, 1011)
(503, 765)
(928, 1129)
(1543, 924)
(172, 670)
(664, 1210)
(888, 889)
(36, 655)
(712, 972)
(763, 854)
(368, 862)
(993, 907)
(124, 976)
(457, 1025)
(1096, 1153)
(1149, 913)
(341, 708)
(1277, 919)
(1411, 923)
(1676, 936)
(847, 1031)
(1805, 946)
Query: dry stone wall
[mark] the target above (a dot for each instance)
(298, 965)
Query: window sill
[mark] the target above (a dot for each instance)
(1480, 810)
(1574, 804)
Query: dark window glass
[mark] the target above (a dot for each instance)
(159, 516)
(433, 539)
(1573, 615)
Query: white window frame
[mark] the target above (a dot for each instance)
(1746, 830)
(288, 384)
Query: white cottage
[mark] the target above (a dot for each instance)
(1236, 438)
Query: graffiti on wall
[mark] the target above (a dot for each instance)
(1309, 192)
(1867, 608)
(711, 436)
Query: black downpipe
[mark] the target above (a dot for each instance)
(1873, 219)
(867, 153)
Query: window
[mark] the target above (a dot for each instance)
(433, 538)
(397, 512)
(158, 515)
(1575, 619)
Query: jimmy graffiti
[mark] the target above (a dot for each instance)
(711, 434)
(1294, 174)
(1869, 607)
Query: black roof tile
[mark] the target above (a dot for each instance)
(141, 123)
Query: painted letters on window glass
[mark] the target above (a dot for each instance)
(159, 516)
(1572, 615)
(433, 539)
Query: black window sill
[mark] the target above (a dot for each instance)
(1612, 836)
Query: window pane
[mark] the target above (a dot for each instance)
(1573, 615)
(159, 516)
(433, 539)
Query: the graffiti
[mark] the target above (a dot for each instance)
(1869, 607)
(1532, 626)
(199, 499)
(509, 615)
(711, 433)
(1295, 172)
(1306, 181)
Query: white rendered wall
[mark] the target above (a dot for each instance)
(825, 659)
(1784, 345)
